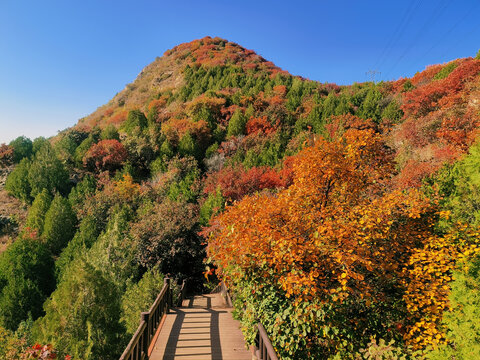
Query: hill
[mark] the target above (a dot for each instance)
(321, 204)
(427, 120)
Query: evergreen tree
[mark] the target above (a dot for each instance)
(212, 206)
(110, 133)
(17, 183)
(463, 322)
(38, 144)
(112, 253)
(136, 122)
(82, 149)
(370, 108)
(38, 210)
(22, 148)
(59, 225)
(47, 172)
(392, 112)
(82, 316)
(65, 149)
(139, 297)
(187, 146)
(26, 280)
(236, 125)
(329, 106)
(82, 191)
(85, 237)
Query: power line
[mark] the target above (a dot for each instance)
(463, 38)
(407, 17)
(441, 6)
(447, 33)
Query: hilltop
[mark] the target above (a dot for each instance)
(166, 75)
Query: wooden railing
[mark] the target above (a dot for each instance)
(263, 347)
(138, 347)
(222, 289)
(183, 293)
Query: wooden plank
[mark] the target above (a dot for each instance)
(202, 329)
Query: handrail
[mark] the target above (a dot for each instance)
(263, 347)
(222, 288)
(183, 293)
(137, 348)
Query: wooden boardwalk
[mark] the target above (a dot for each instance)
(203, 328)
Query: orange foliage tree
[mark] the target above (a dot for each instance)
(427, 282)
(337, 235)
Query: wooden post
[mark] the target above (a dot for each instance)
(146, 333)
(168, 295)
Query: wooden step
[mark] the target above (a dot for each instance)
(203, 328)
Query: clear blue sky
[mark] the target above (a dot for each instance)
(60, 60)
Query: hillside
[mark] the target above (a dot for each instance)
(320, 204)
(427, 120)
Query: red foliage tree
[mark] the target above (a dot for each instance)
(6, 155)
(105, 155)
(43, 352)
(236, 182)
(438, 93)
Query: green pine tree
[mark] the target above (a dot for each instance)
(236, 125)
(38, 210)
(59, 225)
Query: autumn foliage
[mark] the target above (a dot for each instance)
(105, 155)
(44, 352)
(314, 198)
(337, 234)
(235, 183)
(6, 155)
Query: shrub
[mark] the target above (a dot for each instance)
(105, 155)
(6, 155)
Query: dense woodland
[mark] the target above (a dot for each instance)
(344, 218)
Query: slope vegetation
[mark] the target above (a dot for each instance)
(321, 206)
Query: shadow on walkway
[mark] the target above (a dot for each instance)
(195, 331)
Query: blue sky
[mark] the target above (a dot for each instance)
(60, 60)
